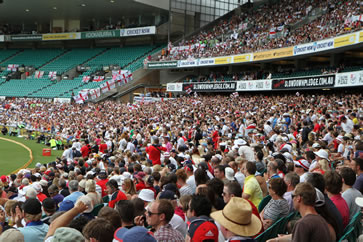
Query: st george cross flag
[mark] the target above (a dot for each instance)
(81, 97)
(95, 93)
(12, 67)
(107, 86)
(39, 74)
(86, 79)
(52, 75)
(98, 78)
(189, 90)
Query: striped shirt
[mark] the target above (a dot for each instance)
(276, 209)
(186, 190)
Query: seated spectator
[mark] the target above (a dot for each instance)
(74, 193)
(99, 230)
(49, 208)
(349, 193)
(291, 179)
(115, 193)
(251, 189)
(111, 215)
(237, 221)
(334, 185)
(126, 210)
(301, 168)
(35, 229)
(128, 187)
(184, 189)
(277, 207)
(158, 216)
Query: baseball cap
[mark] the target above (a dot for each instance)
(171, 187)
(32, 206)
(146, 195)
(66, 205)
(67, 234)
(49, 204)
(200, 230)
(229, 173)
(168, 194)
(135, 234)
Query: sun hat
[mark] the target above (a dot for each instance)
(316, 145)
(238, 218)
(87, 201)
(67, 234)
(302, 163)
(31, 192)
(135, 234)
(229, 172)
(12, 234)
(240, 142)
(322, 154)
(43, 183)
(201, 229)
(147, 195)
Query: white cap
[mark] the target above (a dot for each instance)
(146, 195)
(229, 172)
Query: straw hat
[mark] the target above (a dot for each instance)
(237, 217)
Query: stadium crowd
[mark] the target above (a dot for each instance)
(196, 168)
(270, 27)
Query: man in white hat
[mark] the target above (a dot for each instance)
(237, 221)
(301, 168)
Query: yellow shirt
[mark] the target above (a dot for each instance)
(252, 188)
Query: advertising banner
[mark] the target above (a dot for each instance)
(138, 31)
(314, 47)
(26, 37)
(272, 54)
(349, 79)
(256, 85)
(60, 36)
(62, 100)
(205, 62)
(188, 63)
(242, 58)
(210, 87)
(100, 34)
(304, 82)
(163, 64)
(361, 36)
(344, 40)
(174, 87)
(223, 60)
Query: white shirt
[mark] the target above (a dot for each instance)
(179, 224)
(240, 178)
(191, 182)
(347, 126)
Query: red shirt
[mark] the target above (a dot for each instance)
(102, 184)
(154, 153)
(41, 197)
(140, 186)
(85, 151)
(103, 147)
(342, 206)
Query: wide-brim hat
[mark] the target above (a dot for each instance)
(322, 154)
(238, 218)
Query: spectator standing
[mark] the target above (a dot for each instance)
(251, 190)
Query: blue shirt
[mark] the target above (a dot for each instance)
(359, 183)
(34, 231)
(73, 197)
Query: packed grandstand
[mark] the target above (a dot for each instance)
(246, 129)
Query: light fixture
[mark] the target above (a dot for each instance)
(27, 10)
(83, 5)
(55, 8)
(112, 1)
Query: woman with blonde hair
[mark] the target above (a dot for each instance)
(128, 187)
(91, 192)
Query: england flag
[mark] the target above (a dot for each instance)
(86, 79)
(95, 93)
(39, 74)
(107, 86)
(52, 75)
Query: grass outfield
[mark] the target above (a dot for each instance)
(13, 156)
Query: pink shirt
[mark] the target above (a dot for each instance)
(342, 206)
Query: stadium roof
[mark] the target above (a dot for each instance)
(42, 11)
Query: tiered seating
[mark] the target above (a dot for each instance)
(4, 54)
(22, 88)
(71, 59)
(34, 58)
(120, 56)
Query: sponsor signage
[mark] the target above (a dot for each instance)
(361, 36)
(60, 36)
(256, 85)
(100, 34)
(344, 40)
(272, 54)
(304, 82)
(138, 31)
(163, 64)
(188, 63)
(174, 87)
(206, 62)
(223, 60)
(242, 58)
(62, 100)
(26, 37)
(210, 87)
(314, 47)
(2, 38)
(349, 79)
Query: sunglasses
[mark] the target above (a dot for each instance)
(297, 166)
(151, 213)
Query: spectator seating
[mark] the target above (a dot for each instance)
(35, 58)
(263, 203)
(22, 88)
